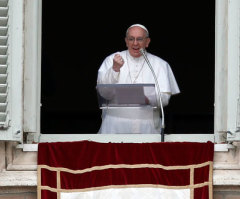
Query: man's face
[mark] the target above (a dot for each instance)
(135, 40)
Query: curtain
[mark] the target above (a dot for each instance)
(93, 170)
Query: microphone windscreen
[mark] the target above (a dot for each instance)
(141, 51)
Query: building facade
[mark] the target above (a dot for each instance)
(20, 91)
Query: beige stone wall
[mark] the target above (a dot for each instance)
(226, 192)
(18, 193)
(2, 156)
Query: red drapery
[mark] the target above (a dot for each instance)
(83, 166)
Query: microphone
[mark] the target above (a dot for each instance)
(159, 101)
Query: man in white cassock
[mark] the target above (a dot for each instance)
(130, 67)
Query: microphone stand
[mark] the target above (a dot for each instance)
(142, 51)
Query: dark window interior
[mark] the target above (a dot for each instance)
(77, 37)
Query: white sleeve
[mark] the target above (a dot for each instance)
(165, 97)
(108, 77)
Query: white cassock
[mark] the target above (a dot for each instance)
(134, 71)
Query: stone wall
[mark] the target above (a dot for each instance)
(18, 192)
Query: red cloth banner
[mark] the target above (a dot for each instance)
(87, 169)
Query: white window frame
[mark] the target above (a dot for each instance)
(120, 138)
(224, 50)
(32, 67)
(227, 74)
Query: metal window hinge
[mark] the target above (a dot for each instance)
(233, 136)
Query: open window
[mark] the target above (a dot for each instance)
(69, 98)
(28, 92)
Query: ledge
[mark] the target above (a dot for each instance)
(34, 147)
(18, 178)
(226, 177)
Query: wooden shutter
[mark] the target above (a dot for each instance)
(11, 69)
(4, 117)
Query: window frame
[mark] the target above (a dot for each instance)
(38, 137)
(227, 77)
(222, 108)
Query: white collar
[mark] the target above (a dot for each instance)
(135, 59)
